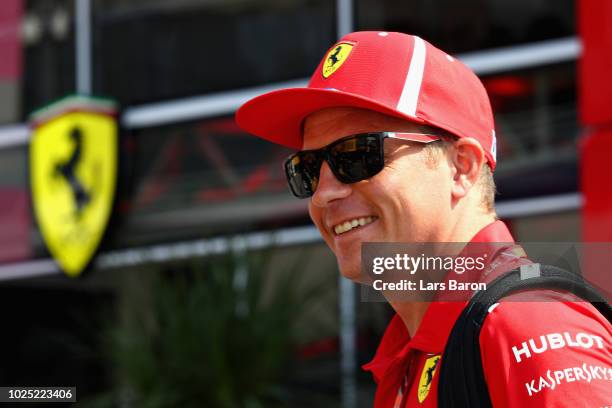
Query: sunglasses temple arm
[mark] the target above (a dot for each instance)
(413, 137)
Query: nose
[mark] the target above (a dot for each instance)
(329, 188)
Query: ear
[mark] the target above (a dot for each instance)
(467, 158)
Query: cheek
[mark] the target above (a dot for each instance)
(412, 191)
(314, 213)
(316, 216)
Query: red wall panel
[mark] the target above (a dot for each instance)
(595, 66)
(10, 39)
(595, 104)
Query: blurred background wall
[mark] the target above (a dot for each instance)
(193, 187)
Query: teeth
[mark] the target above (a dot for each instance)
(354, 223)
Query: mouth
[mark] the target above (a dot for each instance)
(355, 223)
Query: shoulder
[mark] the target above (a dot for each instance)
(549, 352)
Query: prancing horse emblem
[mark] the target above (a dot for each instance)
(335, 58)
(73, 162)
(427, 375)
(67, 170)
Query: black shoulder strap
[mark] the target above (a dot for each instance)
(462, 383)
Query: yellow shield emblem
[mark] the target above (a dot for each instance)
(335, 58)
(73, 174)
(427, 375)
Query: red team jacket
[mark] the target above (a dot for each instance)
(535, 354)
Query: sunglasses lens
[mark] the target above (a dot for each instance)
(357, 158)
(302, 171)
(351, 160)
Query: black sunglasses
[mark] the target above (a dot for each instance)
(352, 158)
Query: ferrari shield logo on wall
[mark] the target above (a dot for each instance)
(335, 58)
(73, 175)
(427, 375)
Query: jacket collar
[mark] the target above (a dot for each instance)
(437, 323)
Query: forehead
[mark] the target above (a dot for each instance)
(328, 125)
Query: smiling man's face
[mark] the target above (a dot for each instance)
(408, 201)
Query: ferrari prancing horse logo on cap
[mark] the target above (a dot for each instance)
(335, 58)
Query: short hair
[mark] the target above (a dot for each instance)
(434, 150)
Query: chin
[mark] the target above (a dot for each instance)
(350, 271)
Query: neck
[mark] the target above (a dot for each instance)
(412, 313)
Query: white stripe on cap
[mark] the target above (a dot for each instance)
(412, 86)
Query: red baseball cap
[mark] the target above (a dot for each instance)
(392, 73)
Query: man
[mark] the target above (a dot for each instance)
(397, 144)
